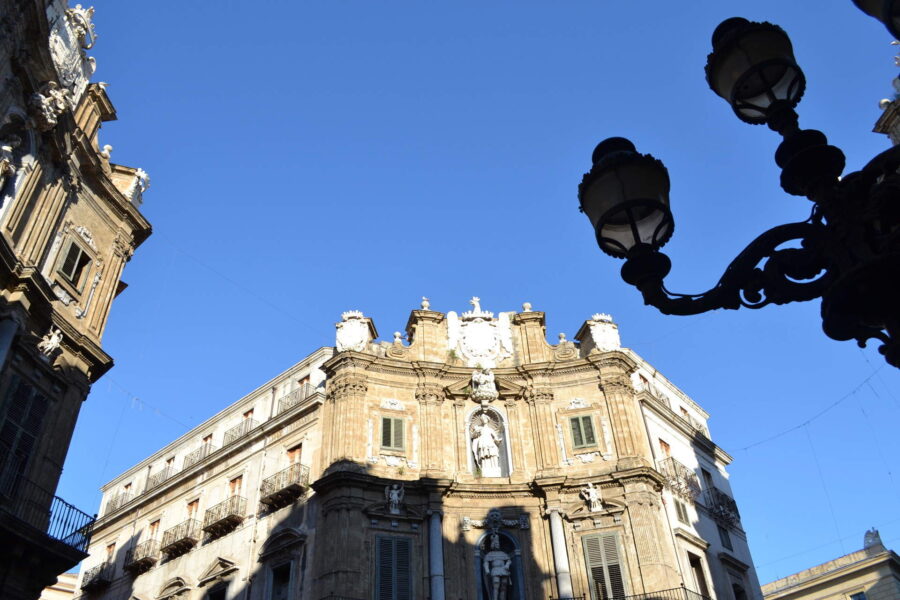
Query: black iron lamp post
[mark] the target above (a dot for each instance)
(847, 252)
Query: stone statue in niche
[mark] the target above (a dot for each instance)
(591, 495)
(497, 569)
(8, 159)
(393, 494)
(50, 343)
(484, 388)
(486, 440)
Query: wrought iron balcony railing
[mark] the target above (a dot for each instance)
(118, 501)
(679, 479)
(722, 507)
(142, 557)
(225, 516)
(680, 593)
(98, 577)
(158, 479)
(182, 537)
(239, 431)
(33, 505)
(195, 456)
(292, 399)
(284, 487)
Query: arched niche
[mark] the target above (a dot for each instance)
(515, 589)
(487, 431)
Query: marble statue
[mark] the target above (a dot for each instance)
(8, 159)
(483, 386)
(425, 303)
(497, 569)
(485, 447)
(394, 493)
(50, 343)
(591, 495)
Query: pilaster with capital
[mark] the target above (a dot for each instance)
(541, 398)
(431, 400)
(655, 555)
(629, 433)
(343, 418)
(426, 331)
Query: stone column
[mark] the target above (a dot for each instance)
(560, 555)
(8, 330)
(436, 555)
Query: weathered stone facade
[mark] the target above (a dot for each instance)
(473, 460)
(69, 221)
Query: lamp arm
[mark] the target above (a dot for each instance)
(763, 273)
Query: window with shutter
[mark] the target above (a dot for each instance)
(582, 431)
(393, 572)
(604, 567)
(392, 433)
(20, 429)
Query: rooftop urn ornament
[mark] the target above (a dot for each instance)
(393, 495)
(847, 252)
(50, 343)
(398, 337)
(591, 495)
(425, 303)
(526, 307)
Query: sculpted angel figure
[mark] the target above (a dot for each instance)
(591, 495)
(50, 342)
(485, 440)
(394, 495)
(483, 386)
(496, 569)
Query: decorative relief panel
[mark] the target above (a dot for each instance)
(478, 338)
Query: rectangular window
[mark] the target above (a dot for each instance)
(281, 582)
(665, 448)
(192, 507)
(392, 433)
(110, 552)
(858, 596)
(294, 454)
(74, 265)
(604, 567)
(725, 538)
(153, 530)
(248, 415)
(681, 509)
(234, 486)
(393, 572)
(699, 579)
(20, 428)
(582, 431)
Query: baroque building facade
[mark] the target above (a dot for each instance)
(69, 221)
(471, 460)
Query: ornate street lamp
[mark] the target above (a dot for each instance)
(886, 11)
(847, 252)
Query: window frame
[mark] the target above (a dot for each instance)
(580, 420)
(725, 538)
(394, 541)
(85, 272)
(603, 547)
(681, 512)
(396, 424)
(290, 580)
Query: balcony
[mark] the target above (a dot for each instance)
(225, 516)
(239, 431)
(284, 487)
(681, 480)
(722, 507)
(681, 593)
(98, 577)
(192, 458)
(292, 399)
(181, 538)
(158, 479)
(50, 515)
(118, 501)
(142, 557)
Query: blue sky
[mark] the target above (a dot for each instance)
(312, 157)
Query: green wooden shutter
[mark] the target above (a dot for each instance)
(587, 425)
(386, 432)
(601, 556)
(398, 434)
(393, 573)
(19, 430)
(577, 437)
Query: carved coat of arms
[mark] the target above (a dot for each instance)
(479, 338)
(352, 332)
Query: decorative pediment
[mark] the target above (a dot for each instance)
(175, 589)
(507, 390)
(576, 511)
(281, 539)
(381, 510)
(219, 570)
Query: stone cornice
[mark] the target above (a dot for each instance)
(697, 438)
(691, 538)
